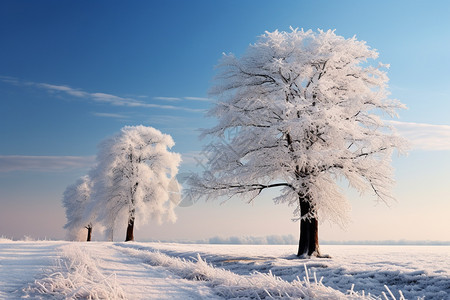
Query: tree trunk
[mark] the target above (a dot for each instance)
(110, 234)
(131, 211)
(89, 234)
(309, 232)
(130, 228)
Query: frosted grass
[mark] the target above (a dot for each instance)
(257, 285)
(411, 271)
(75, 275)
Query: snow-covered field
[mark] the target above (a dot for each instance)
(61, 270)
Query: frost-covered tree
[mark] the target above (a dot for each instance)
(300, 111)
(132, 178)
(76, 198)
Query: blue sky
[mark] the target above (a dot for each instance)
(75, 72)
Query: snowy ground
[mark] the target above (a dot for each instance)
(60, 270)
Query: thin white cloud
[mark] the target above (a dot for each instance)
(198, 99)
(173, 107)
(167, 98)
(185, 98)
(62, 88)
(97, 96)
(10, 80)
(424, 136)
(109, 115)
(10, 163)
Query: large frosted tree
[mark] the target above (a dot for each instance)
(299, 111)
(76, 199)
(133, 177)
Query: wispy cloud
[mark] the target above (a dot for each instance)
(61, 88)
(198, 99)
(167, 98)
(10, 80)
(109, 115)
(183, 98)
(424, 136)
(10, 163)
(97, 96)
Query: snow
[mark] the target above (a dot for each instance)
(21, 262)
(61, 270)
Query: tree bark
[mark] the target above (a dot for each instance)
(110, 234)
(130, 229)
(131, 211)
(89, 234)
(309, 231)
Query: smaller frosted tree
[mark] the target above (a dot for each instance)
(134, 171)
(75, 200)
